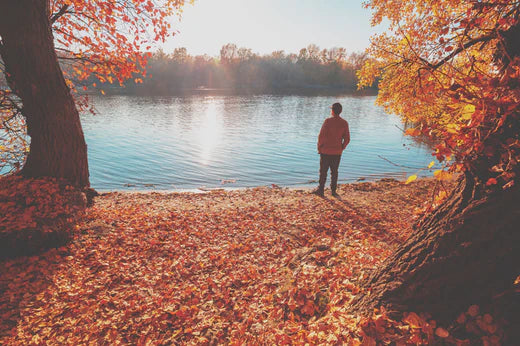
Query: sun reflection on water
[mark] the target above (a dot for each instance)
(210, 132)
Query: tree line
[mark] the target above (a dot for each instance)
(239, 68)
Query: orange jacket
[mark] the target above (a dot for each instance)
(334, 136)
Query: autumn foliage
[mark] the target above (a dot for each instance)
(471, 327)
(36, 214)
(452, 68)
(260, 266)
(106, 39)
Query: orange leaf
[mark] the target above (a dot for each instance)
(491, 181)
(412, 132)
(413, 320)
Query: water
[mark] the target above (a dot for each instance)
(197, 141)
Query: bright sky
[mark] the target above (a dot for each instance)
(269, 25)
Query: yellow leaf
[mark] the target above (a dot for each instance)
(411, 178)
(431, 164)
(452, 128)
(467, 112)
(442, 175)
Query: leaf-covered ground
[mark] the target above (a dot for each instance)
(263, 265)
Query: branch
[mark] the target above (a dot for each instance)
(465, 46)
(398, 165)
(60, 13)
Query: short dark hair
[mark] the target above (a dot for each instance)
(337, 108)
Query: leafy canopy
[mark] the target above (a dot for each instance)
(106, 38)
(451, 67)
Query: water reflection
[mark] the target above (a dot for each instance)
(194, 141)
(209, 132)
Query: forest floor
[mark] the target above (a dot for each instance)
(262, 266)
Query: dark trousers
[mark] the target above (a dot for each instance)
(327, 161)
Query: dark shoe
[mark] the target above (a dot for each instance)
(318, 192)
(335, 194)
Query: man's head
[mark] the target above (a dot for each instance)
(336, 108)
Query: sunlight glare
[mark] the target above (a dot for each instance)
(210, 132)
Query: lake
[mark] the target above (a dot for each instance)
(203, 141)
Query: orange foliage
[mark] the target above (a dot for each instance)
(451, 68)
(36, 213)
(470, 328)
(261, 266)
(107, 39)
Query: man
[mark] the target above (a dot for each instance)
(332, 140)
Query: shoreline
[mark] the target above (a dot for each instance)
(203, 190)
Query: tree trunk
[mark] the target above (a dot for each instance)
(57, 146)
(467, 251)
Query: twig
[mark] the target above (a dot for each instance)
(398, 165)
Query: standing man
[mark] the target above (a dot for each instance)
(332, 140)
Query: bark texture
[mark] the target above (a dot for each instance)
(465, 252)
(58, 147)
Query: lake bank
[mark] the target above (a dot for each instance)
(260, 265)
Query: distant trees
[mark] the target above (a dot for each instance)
(241, 68)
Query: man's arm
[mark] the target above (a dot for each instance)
(321, 136)
(346, 137)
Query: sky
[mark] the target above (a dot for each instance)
(269, 25)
